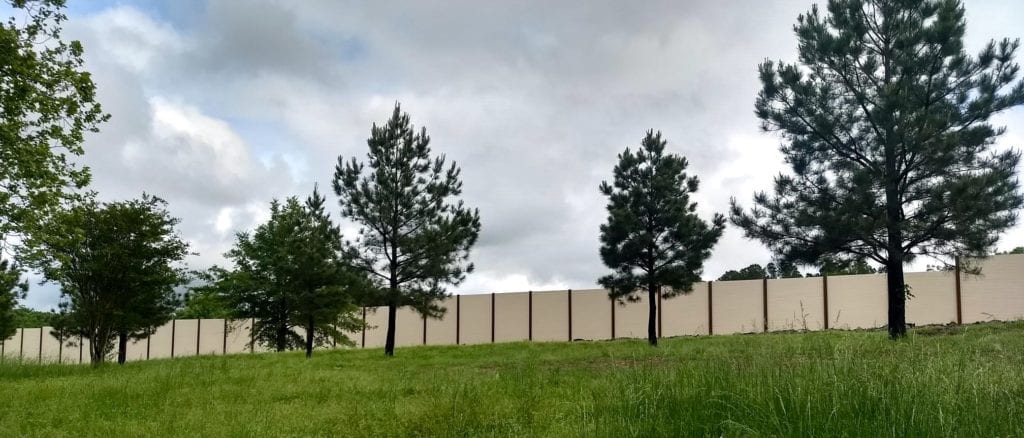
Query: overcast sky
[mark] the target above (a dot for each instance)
(219, 106)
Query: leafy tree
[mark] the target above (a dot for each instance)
(26, 317)
(290, 272)
(11, 290)
(1016, 250)
(48, 104)
(203, 302)
(415, 238)
(752, 272)
(885, 122)
(653, 237)
(118, 264)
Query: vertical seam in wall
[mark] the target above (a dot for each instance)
(613, 318)
(711, 314)
(569, 295)
(529, 316)
(764, 300)
(959, 300)
(174, 329)
(224, 347)
(824, 292)
(199, 331)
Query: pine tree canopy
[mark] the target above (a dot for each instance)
(885, 128)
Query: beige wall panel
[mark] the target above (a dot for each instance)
(737, 306)
(997, 293)
(160, 342)
(934, 297)
(591, 314)
(33, 336)
(185, 337)
(136, 350)
(376, 326)
(551, 316)
(475, 319)
(631, 318)
(686, 314)
(70, 351)
(408, 327)
(239, 335)
(442, 331)
(511, 316)
(211, 337)
(11, 346)
(857, 301)
(796, 304)
(51, 346)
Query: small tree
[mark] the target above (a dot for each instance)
(289, 272)
(117, 264)
(752, 272)
(885, 122)
(415, 237)
(653, 237)
(12, 289)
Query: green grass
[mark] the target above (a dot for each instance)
(938, 382)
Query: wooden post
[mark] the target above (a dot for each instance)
(613, 318)
(824, 291)
(764, 300)
(424, 329)
(80, 343)
(252, 332)
(364, 328)
(40, 345)
(569, 296)
(199, 330)
(529, 316)
(174, 329)
(21, 344)
(959, 301)
(60, 346)
(458, 318)
(492, 317)
(148, 341)
(224, 347)
(711, 315)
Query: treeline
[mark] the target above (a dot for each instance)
(885, 130)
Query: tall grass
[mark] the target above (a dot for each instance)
(960, 382)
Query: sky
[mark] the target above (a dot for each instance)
(220, 106)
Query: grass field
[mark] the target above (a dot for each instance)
(960, 381)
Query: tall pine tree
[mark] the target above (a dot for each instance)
(653, 238)
(415, 236)
(885, 122)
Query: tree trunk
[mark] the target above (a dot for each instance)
(309, 337)
(281, 336)
(652, 319)
(897, 297)
(389, 344)
(122, 348)
(97, 348)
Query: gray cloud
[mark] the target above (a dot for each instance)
(236, 102)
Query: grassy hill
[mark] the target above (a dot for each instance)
(962, 381)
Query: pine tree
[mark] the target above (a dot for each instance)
(885, 122)
(653, 237)
(415, 237)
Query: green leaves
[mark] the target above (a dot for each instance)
(117, 264)
(886, 110)
(653, 235)
(47, 103)
(415, 236)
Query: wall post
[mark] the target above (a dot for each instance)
(252, 332)
(364, 328)
(959, 300)
(199, 331)
(711, 315)
(224, 347)
(173, 334)
(529, 316)
(613, 317)
(764, 300)
(569, 297)
(492, 317)
(458, 319)
(60, 346)
(659, 313)
(824, 293)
